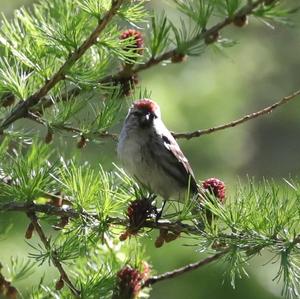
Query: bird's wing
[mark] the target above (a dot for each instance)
(181, 169)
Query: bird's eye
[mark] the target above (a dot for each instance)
(137, 113)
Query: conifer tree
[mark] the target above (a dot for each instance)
(71, 68)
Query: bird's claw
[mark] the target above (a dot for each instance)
(159, 214)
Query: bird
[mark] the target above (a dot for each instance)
(149, 153)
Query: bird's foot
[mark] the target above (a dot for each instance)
(159, 214)
(152, 197)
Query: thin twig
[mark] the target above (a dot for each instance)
(190, 267)
(189, 135)
(77, 131)
(22, 108)
(38, 228)
(162, 224)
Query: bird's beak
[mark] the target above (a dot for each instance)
(146, 119)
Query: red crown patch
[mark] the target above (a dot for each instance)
(146, 104)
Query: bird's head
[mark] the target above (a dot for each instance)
(144, 112)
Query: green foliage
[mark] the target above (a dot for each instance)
(105, 117)
(87, 100)
(97, 281)
(94, 8)
(83, 76)
(134, 11)
(199, 11)
(275, 227)
(38, 41)
(160, 30)
(20, 269)
(187, 39)
(14, 78)
(29, 175)
(99, 195)
(121, 49)
(229, 7)
(276, 12)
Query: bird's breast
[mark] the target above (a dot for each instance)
(130, 151)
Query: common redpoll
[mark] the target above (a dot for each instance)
(151, 154)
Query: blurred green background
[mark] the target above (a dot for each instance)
(203, 92)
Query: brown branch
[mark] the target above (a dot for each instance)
(126, 74)
(30, 207)
(245, 10)
(7, 290)
(71, 213)
(66, 211)
(54, 259)
(189, 135)
(190, 267)
(22, 108)
(162, 224)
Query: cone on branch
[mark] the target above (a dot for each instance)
(29, 231)
(59, 284)
(165, 236)
(138, 40)
(49, 136)
(241, 21)
(212, 38)
(178, 57)
(127, 84)
(138, 212)
(6, 289)
(130, 280)
(12, 293)
(8, 100)
(81, 143)
(62, 223)
(217, 188)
